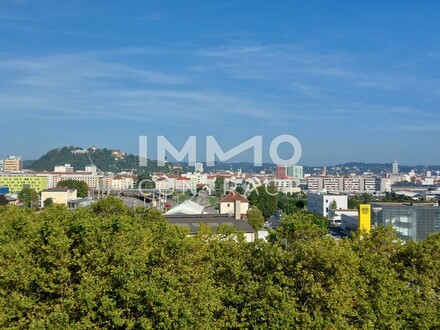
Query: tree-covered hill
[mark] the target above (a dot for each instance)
(102, 158)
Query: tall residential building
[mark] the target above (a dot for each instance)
(12, 164)
(296, 171)
(198, 167)
(395, 167)
(284, 172)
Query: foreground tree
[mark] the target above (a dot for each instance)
(255, 218)
(29, 198)
(111, 266)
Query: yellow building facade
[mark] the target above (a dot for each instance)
(15, 183)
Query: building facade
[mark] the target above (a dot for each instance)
(16, 182)
(12, 164)
(411, 221)
(59, 195)
(321, 203)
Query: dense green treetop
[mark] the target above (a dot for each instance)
(255, 218)
(111, 266)
(29, 198)
(80, 186)
(265, 198)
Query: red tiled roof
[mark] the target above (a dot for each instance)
(233, 196)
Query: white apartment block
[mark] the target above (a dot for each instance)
(352, 184)
(321, 203)
(63, 168)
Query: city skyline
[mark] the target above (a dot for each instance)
(352, 81)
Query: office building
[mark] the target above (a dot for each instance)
(411, 221)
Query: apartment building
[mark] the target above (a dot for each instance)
(16, 182)
(12, 164)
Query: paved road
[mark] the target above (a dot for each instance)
(272, 222)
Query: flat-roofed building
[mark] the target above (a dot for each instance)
(16, 182)
(412, 221)
(12, 164)
(321, 203)
(59, 195)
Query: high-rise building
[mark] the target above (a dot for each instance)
(296, 171)
(198, 167)
(12, 164)
(395, 167)
(284, 172)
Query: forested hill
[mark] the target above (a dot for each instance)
(103, 159)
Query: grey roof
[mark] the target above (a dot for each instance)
(193, 222)
(58, 189)
(187, 207)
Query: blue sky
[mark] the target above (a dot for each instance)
(352, 80)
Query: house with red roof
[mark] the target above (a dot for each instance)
(235, 204)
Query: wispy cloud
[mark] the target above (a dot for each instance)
(280, 84)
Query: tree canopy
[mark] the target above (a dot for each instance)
(80, 186)
(110, 266)
(255, 218)
(29, 198)
(265, 198)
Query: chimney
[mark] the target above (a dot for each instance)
(237, 210)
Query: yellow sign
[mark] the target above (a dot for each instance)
(364, 216)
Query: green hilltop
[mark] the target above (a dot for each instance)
(104, 159)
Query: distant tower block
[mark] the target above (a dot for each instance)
(198, 167)
(395, 167)
(324, 170)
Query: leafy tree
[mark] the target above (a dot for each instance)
(265, 198)
(110, 266)
(219, 186)
(255, 218)
(334, 205)
(144, 179)
(240, 190)
(29, 198)
(47, 202)
(80, 186)
(299, 226)
(3, 200)
(290, 203)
